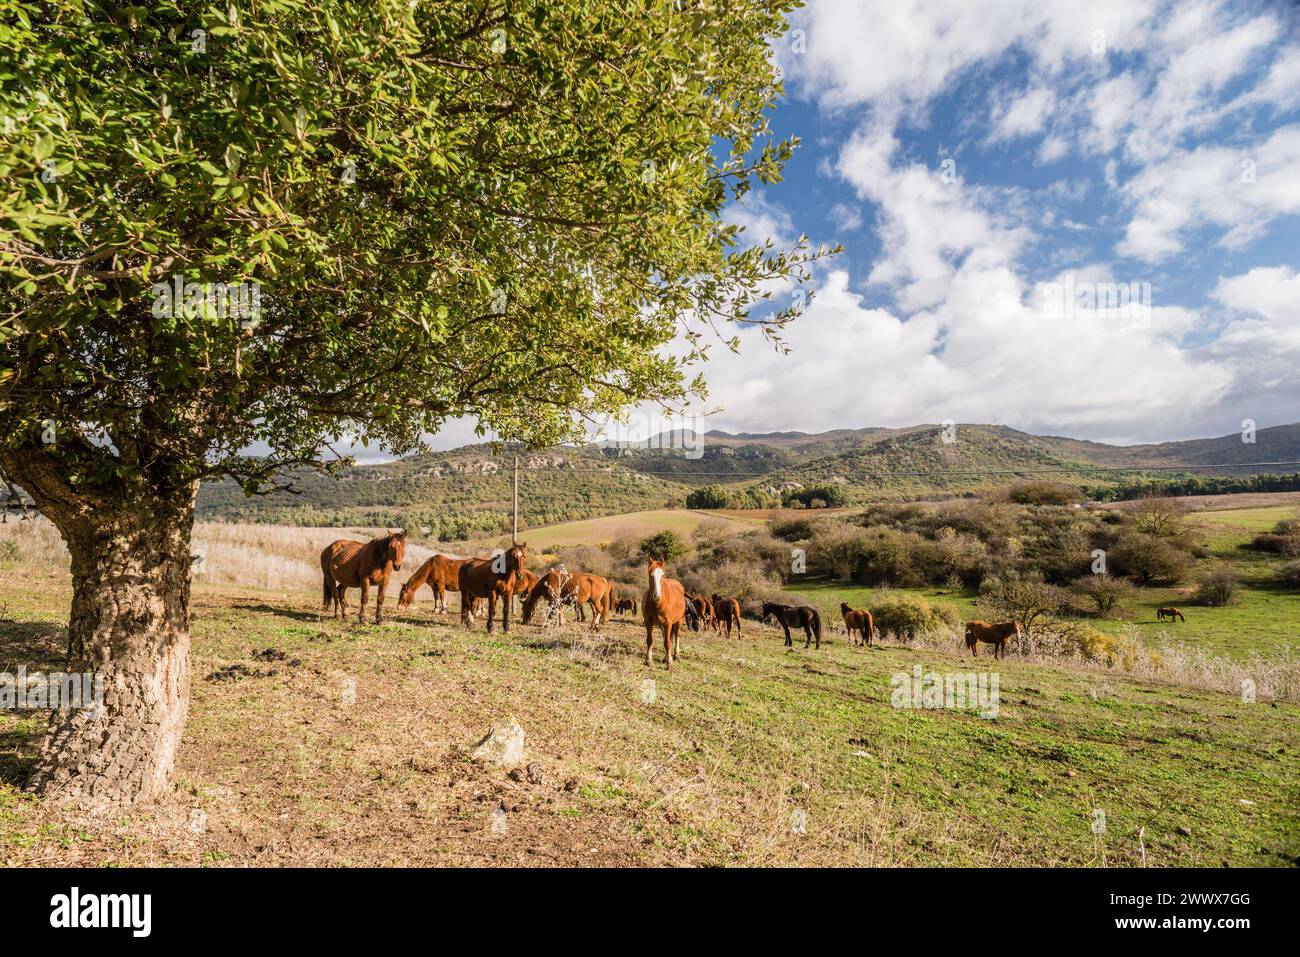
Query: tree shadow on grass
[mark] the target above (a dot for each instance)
(39, 645)
(19, 749)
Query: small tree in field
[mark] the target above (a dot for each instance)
(270, 225)
(663, 546)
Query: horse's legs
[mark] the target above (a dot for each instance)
(789, 642)
(379, 599)
(507, 610)
(668, 642)
(365, 596)
(649, 643)
(492, 610)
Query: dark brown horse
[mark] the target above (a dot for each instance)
(996, 635)
(440, 573)
(858, 623)
(494, 579)
(347, 564)
(725, 612)
(801, 616)
(1170, 614)
(663, 606)
(624, 604)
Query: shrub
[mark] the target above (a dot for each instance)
(665, 546)
(905, 617)
(1149, 558)
(838, 549)
(817, 496)
(797, 528)
(1044, 493)
(1103, 593)
(1027, 601)
(1218, 588)
(710, 496)
(1288, 575)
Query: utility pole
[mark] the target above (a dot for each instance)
(514, 536)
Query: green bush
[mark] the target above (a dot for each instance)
(904, 617)
(1219, 588)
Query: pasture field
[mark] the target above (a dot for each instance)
(599, 531)
(720, 765)
(1265, 618)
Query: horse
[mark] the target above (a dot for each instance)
(995, 635)
(527, 582)
(625, 604)
(491, 578)
(575, 589)
(858, 621)
(347, 564)
(725, 611)
(1172, 614)
(801, 616)
(664, 606)
(440, 573)
(699, 612)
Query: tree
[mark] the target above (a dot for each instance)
(1025, 600)
(283, 224)
(664, 546)
(709, 496)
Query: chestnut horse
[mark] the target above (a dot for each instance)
(491, 578)
(624, 604)
(725, 611)
(858, 622)
(440, 573)
(574, 589)
(996, 635)
(664, 606)
(347, 564)
(1172, 614)
(801, 616)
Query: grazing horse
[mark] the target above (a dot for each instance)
(440, 573)
(625, 604)
(492, 578)
(801, 616)
(662, 606)
(858, 622)
(995, 635)
(726, 611)
(574, 589)
(699, 612)
(347, 564)
(1171, 614)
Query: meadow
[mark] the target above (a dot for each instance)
(312, 741)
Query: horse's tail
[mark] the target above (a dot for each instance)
(327, 594)
(817, 624)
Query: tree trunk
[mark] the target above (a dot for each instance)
(129, 624)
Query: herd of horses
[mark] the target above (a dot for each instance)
(666, 606)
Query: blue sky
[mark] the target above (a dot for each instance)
(976, 158)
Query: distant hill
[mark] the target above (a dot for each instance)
(467, 492)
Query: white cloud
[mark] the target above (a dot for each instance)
(1025, 115)
(1213, 185)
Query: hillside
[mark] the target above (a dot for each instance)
(455, 495)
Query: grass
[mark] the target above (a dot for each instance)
(288, 769)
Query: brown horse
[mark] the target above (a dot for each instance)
(1171, 614)
(491, 578)
(440, 573)
(726, 611)
(996, 635)
(801, 616)
(575, 589)
(624, 604)
(858, 622)
(347, 564)
(664, 606)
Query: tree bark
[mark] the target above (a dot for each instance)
(129, 623)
